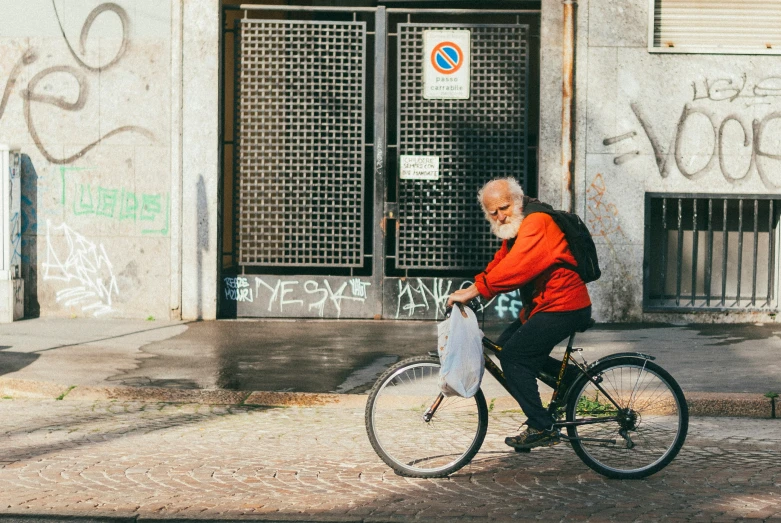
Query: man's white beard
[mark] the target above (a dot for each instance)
(508, 230)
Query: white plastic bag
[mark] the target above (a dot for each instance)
(460, 351)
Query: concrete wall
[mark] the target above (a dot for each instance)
(92, 95)
(651, 122)
(200, 147)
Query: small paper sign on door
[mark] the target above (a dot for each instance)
(414, 167)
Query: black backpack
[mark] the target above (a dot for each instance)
(578, 237)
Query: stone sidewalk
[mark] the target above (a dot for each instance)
(148, 461)
(723, 369)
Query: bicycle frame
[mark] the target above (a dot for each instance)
(559, 397)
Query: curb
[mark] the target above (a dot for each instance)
(705, 404)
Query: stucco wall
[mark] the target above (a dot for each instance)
(650, 122)
(86, 89)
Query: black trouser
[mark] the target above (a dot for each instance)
(525, 349)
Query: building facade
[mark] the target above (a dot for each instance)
(205, 158)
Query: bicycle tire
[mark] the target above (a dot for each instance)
(401, 437)
(653, 411)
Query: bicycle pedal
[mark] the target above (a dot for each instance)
(525, 451)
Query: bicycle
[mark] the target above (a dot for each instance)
(624, 415)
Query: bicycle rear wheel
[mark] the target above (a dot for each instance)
(399, 434)
(653, 418)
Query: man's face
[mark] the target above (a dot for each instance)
(502, 210)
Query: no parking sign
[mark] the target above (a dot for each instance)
(446, 64)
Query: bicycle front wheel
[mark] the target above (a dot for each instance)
(647, 428)
(401, 436)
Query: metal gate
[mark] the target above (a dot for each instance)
(300, 150)
(321, 224)
(441, 225)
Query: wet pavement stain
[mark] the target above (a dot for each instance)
(347, 356)
(293, 356)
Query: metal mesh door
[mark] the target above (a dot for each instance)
(441, 225)
(300, 155)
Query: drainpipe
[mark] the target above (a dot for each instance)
(568, 106)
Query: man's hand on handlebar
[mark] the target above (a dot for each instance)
(463, 295)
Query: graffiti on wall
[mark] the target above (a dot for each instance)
(422, 297)
(603, 215)
(33, 96)
(736, 120)
(16, 239)
(285, 296)
(604, 223)
(414, 294)
(84, 266)
(416, 298)
(115, 203)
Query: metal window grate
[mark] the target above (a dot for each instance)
(712, 253)
(300, 158)
(441, 225)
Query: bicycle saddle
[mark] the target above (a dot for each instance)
(591, 323)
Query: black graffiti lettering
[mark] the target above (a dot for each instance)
(723, 89)
(30, 95)
(746, 143)
(688, 111)
(27, 58)
(729, 89)
(659, 153)
(751, 141)
(698, 94)
(759, 128)
(85, 29)
(768, 87)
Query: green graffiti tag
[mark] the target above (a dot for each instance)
(118, 203)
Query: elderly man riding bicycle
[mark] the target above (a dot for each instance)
(535, 258)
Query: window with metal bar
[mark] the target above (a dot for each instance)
(711, 253)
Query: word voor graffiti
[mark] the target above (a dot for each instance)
(286, 293)
(84, 266)
(730, 133)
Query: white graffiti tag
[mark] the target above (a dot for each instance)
(238, 289)
(312, 287)
(85, 266)
(414, 294)
(359, 287)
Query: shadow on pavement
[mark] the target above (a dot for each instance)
(11, 361)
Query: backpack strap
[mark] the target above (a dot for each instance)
(533, 205)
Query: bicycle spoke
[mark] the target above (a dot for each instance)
(402, 437)
(649, 417)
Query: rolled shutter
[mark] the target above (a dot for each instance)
(734, 26)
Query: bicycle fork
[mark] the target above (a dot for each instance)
(433, 408)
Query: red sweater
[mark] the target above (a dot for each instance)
(536, 256)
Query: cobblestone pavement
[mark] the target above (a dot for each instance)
(150, 460)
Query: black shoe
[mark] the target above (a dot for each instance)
(531, 438)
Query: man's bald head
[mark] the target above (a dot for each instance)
(502, 203)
